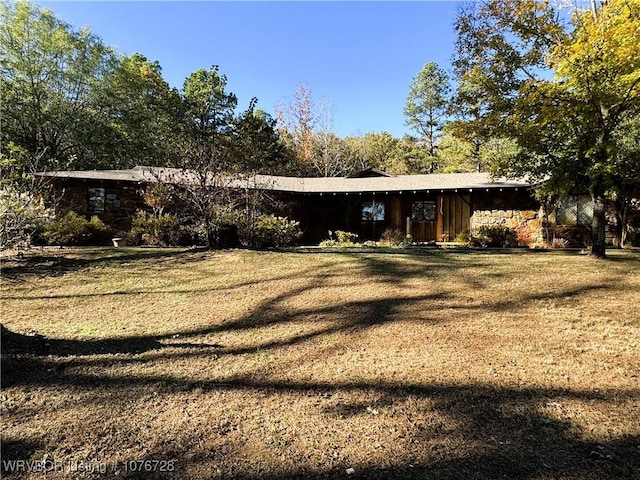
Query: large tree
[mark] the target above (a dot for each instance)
(296, 120)
(134, 118)
(48, 73)
(561, 89)
(69, 99)
(426, 105)
(204, 156)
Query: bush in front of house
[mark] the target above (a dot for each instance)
(72, 229)
(272, 231)
(463, 237)
(493, 236)
(572, 236)
(346, 238)
(148, 229)
(342, 239)
(395, 238)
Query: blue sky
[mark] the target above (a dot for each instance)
(359, 56)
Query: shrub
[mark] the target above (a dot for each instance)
(392, 237)
(494, 236)
(72, 229)
(272, 231)
(149, 229)
(462, 237)
(22, 217)
(346, 238)
(574, 236)
(343, 239)
(329, 243)
(559, 243)
(395, 237)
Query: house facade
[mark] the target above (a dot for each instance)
(431, 208)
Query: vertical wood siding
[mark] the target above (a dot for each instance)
(454, 214)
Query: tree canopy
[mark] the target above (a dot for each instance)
(561, 90)
(427, 105)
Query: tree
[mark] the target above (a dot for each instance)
(625, 191)
(329, 157)
(459, 154)
(48, 73)
(204, 158)
(468, 106)
(565, 124)
(375, 150)
(296, 120)
(257, 148)
(134, 117)
(427, 105)
(22, 196)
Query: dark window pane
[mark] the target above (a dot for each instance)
(373, 211)
(423, 211)
(96, 200)
(112, 201)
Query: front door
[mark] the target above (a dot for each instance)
(423, 221)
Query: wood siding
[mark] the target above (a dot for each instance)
(453, 214)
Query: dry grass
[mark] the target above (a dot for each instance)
(241, 364)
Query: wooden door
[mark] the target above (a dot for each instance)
(423, 221)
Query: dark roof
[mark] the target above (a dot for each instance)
(398, 183)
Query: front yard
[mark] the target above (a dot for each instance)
(396, 364)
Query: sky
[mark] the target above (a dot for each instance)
(358, 57)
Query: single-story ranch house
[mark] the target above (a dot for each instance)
(432, 208)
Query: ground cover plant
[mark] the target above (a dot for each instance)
(427, 363)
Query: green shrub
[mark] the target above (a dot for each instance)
(146, 228)
(329, 243)
(346, 238)
(72, 229)
(272, 231)
(343, 239)
(462, 237)
(494, 236)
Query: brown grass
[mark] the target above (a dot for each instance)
(241, 364)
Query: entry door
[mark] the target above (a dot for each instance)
(423, 221)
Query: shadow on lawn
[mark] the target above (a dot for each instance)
(504, 431)
(50, 264)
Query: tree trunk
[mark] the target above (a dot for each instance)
(598, 225)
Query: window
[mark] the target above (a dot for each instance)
(575, 210)
(112, 201)
(373, 211)
(96, 200)
(423, 211)
(101, 200)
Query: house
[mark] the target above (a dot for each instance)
(431, 208)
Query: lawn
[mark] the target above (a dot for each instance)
(397, 364)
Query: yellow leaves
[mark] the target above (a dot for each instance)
(602, 57)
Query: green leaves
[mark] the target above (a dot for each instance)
(427, 103)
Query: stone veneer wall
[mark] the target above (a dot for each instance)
(526, 223)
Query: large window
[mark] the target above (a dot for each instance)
(423, 211)
(373, 211)
(96, 200)
(575, 210)
(102, 200)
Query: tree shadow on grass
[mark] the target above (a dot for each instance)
(493, 431)
(49, 264)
